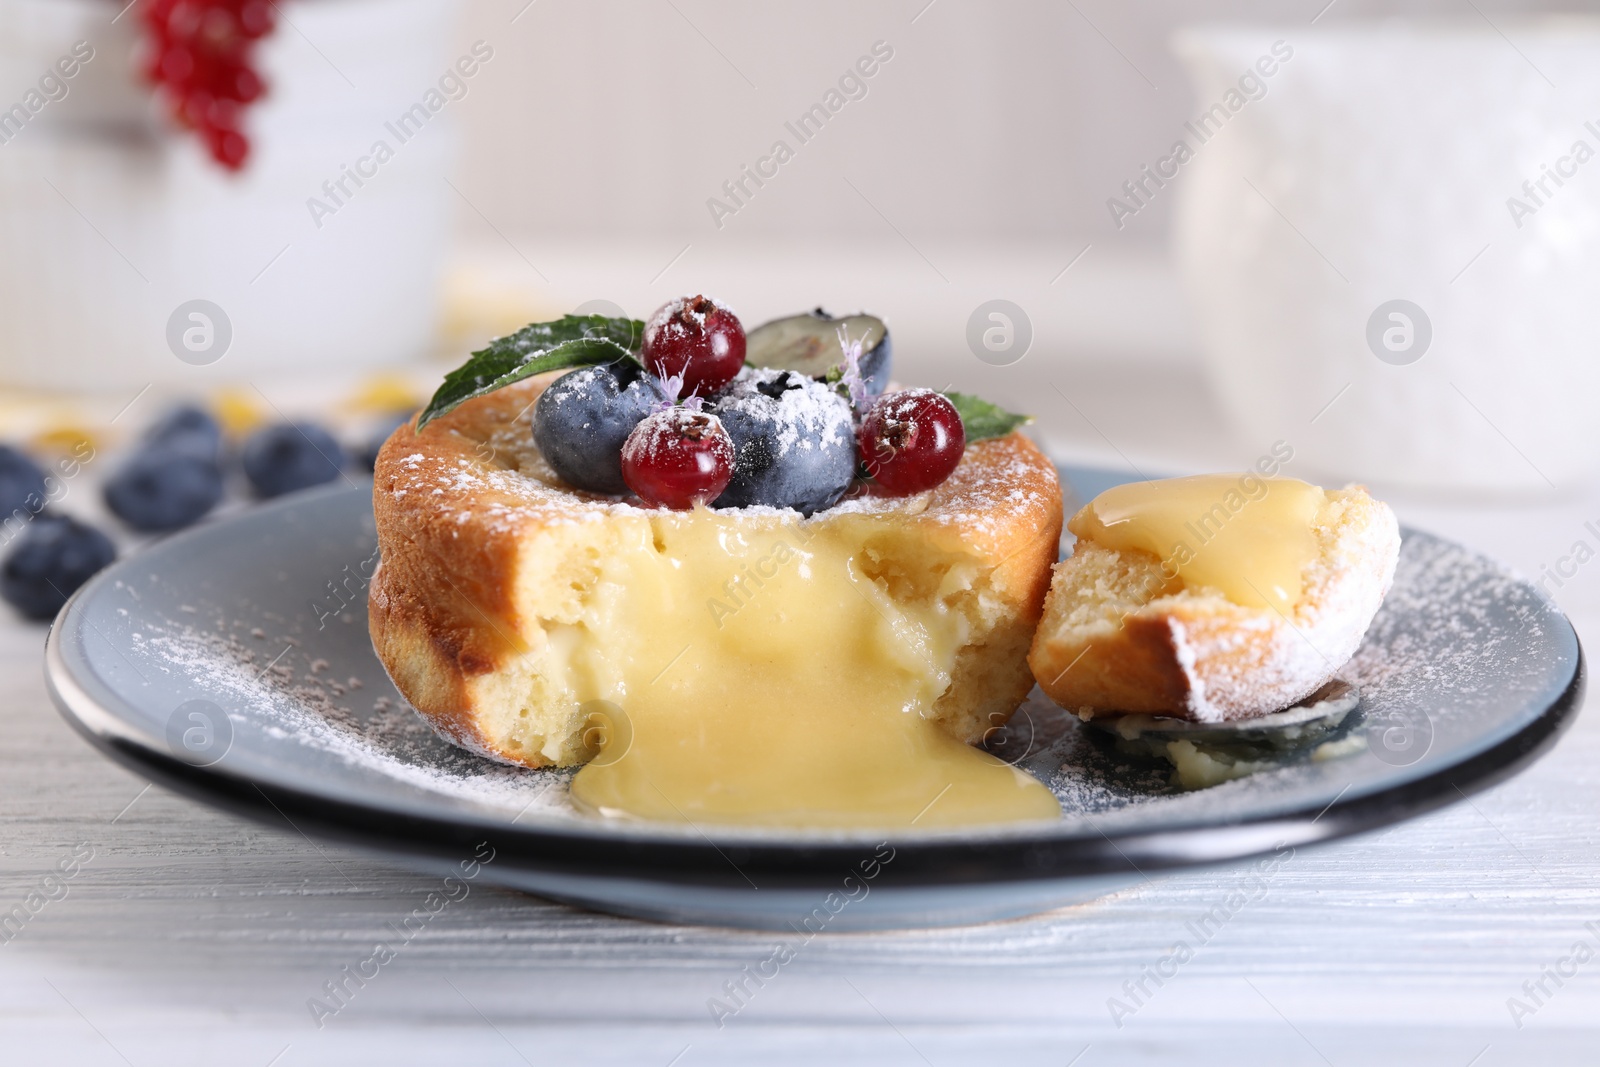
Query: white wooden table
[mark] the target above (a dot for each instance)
(192, 937)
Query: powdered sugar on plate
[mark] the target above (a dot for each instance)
(285, 692)
(1458, 647)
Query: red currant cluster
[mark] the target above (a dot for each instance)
(200, 54)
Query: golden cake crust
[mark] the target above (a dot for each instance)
(465, 507)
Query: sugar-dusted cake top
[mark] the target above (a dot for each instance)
(685, 410)
(479, 464)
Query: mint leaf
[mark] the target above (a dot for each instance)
(570, 341)
(981, 419)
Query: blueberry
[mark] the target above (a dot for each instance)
(22, 487)
(52, 558)
(581, 421)
(164, 486)
(793, 439)
(367, 455)
(189, 429)
(291, 456)
(174, 477)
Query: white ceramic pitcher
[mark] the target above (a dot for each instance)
(1366, 284)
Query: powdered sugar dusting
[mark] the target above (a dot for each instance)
(283, 692)
(807, 412)
(1453, 622)
(506, 484)
(1460, 647)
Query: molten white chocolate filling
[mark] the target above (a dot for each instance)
(775, 672)
(1249, 538)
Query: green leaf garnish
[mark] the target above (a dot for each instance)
(981, 419)
(570, 341)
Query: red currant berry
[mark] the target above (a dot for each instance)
(183, 21)
(255, 17)
(228, 147)
(217, 26)
(244, 86)
(177, 65)
(697, 338)
(222, 113)
(911, 440)
(194, 107)
(678, 458)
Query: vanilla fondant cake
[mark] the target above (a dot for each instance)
(826, 665)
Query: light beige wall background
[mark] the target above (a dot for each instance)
(1000, 121)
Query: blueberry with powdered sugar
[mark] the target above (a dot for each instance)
(793, 437)
(582, 420)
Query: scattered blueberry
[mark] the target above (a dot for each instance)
(189, 429)
(367, 454)
(174, 477)
(291, 456)
(22, 486)
(52, 558)
(164, 487)
(793, 438)
(582, 420)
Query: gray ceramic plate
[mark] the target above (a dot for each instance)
(232, 663)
